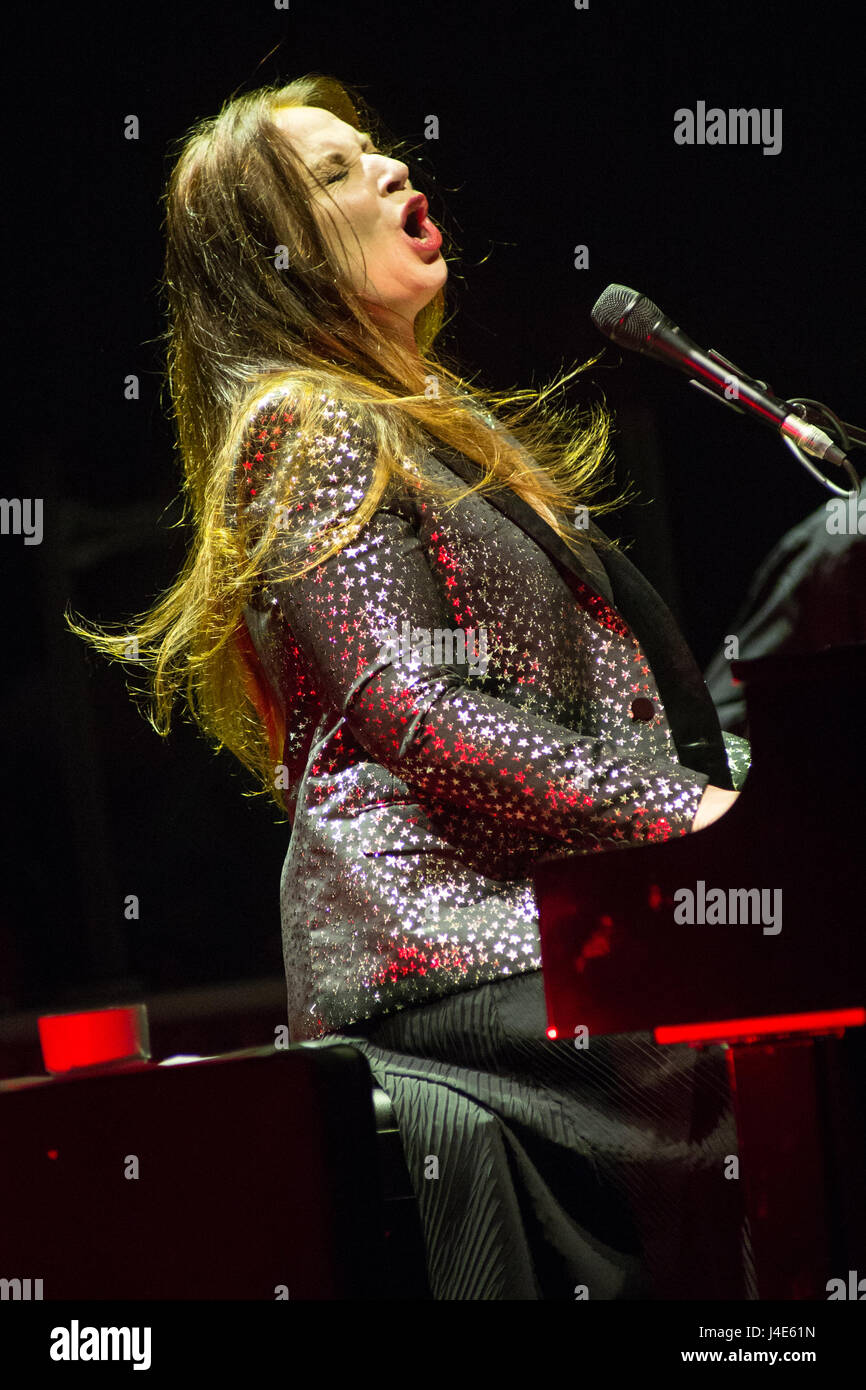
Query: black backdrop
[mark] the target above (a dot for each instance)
(555, 129)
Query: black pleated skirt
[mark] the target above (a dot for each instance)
(544, 1171)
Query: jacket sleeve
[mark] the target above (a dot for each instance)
(433, 726)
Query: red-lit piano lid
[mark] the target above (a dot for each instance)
(95, 1038)
(757, 1029)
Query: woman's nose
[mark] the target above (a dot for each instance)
(394, 177)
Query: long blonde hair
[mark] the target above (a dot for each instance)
(240, 328)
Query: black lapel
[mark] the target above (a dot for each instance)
(588, 568)
(688, 704)
(692, 716)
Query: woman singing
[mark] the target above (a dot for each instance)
(391, 617)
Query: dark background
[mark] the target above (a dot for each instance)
(556, 128)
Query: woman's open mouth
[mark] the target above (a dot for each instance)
(418, 229)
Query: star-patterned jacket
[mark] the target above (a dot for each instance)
(461, 694)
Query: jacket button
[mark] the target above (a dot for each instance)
(643, 709)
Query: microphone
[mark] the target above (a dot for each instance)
(632, 321)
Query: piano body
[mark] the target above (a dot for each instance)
(751, 933)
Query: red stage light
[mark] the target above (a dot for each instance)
(771, 1025)
(94, 1038)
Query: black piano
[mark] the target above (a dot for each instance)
(751, 934)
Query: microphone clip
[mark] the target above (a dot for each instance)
(736, 374)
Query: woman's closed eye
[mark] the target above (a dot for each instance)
(338, 169)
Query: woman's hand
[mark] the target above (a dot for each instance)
(713, 804)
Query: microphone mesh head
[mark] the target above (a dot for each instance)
(625, 316)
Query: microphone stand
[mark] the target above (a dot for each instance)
(847, 436)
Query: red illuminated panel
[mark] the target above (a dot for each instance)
(88, 1039)
(743, 1029)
